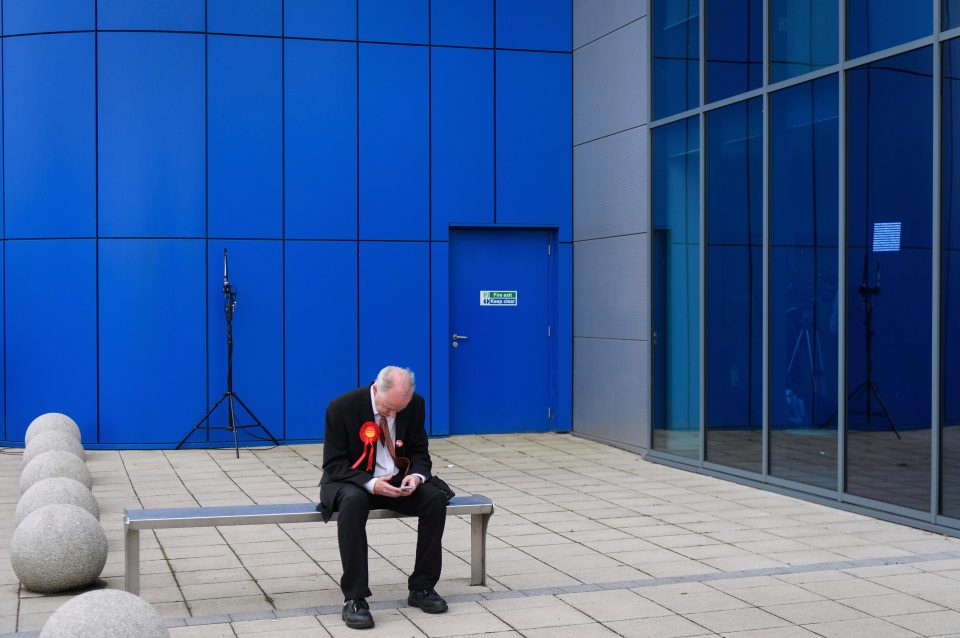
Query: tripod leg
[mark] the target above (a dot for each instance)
(200, 422)
(233, 424)
(883, 406)
(256, 420)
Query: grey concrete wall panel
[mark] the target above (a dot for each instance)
(610, 185)
(610, 288)
(595, 18)
(609, 83)
(610, 390)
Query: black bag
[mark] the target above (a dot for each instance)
(441, 485)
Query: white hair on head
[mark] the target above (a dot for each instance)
(387, 377)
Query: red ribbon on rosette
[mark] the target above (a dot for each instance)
(369, 434)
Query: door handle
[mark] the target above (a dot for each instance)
(457, 337)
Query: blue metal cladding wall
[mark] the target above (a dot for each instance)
(328, 145)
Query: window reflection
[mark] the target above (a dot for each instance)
(676, 288)
(734, 47)
(734, 286)
(803, 36)
(950, 286)
(950, 17)
(889, 159)
(803, 283)
(874, 25)
(676, 56)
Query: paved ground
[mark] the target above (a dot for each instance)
(587, 540)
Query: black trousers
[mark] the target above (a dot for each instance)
(353, 504)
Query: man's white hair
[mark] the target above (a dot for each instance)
(387, 377)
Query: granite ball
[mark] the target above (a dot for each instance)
(54, 463)
(105, 613)
(58, 548)
(51, 422)
(57, 489)
(53, 440)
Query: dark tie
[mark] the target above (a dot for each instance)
(402, 464)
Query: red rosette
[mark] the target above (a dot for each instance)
(369, 434)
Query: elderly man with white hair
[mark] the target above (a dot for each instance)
(375, 456)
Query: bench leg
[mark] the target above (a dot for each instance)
(478, 548)
(131, 552)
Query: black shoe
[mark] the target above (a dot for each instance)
(356, 613)
(428, 600)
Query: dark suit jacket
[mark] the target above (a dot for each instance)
(342, 445)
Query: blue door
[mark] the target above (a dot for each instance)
(500, 344)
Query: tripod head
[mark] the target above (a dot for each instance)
(229, 290)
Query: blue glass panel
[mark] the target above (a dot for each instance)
(462, 23)
(676, 288)
(734, 286)
(804, 129)
(542, 25)
(734, 47)
(159, 15)
(534, 133)
(320, 139)
(151, 125)
(873, 25)
(51, 333)
(676, 56)
(462, 138)
(244, 97)
(804, 37)
(394, 142)
(256, 270)
(394, 21)
(40, 16)
(402, 303)
(50, 141)
(889, 160)
(250, 17)
(318, 274)
(950, 15)
(335, 19)
(153, 339)
(950, 285)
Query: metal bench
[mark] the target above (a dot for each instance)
(480, 509)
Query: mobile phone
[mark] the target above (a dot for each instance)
(406, 488)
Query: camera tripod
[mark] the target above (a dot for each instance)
(229, 305)
(868, 387)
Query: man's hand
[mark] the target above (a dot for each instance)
(383, 488)
(411, 480)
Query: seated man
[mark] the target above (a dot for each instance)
(375, 456)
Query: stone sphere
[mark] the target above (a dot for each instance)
(54, 463)
(53, 440)
(105, 613)
(57, 489)
(58, 548)
(51, 421)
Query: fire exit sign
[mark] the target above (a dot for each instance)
(498, 297)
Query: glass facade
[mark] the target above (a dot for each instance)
(828, 218)
(889, 270)
(676, 287)
(874, 25)
(950, 285)
(676, 56)
(734, 278)
(803, 37)
(803, 282)
(734, 47)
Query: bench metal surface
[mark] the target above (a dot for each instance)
(479, 508)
